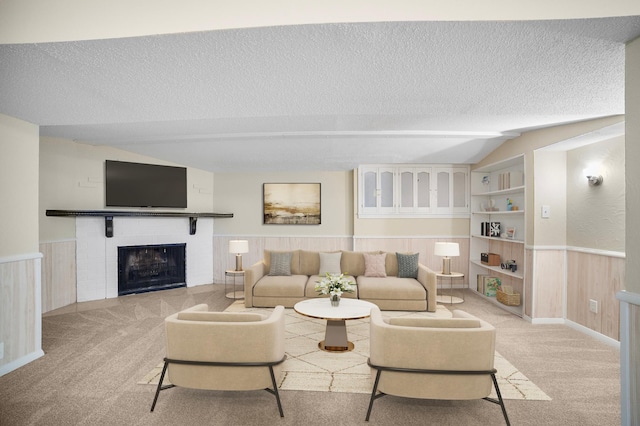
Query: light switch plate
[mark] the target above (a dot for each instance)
(546, 212)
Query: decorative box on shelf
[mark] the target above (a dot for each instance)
(490, 259)
(507, 296)
(490, 229)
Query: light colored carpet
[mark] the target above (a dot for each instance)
(308, 368)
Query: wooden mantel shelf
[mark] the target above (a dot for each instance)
(110, 214)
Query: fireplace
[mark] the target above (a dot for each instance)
(151, 267)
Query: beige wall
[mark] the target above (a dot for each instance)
(20, 304)
(630, 308)
(550, 171)
(72, 178)
(632, 149)
(18, 186)
(241, 194)
(595, 214)
(27, 21)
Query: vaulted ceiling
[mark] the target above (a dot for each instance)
(321, 96)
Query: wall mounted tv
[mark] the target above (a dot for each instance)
(145, 185)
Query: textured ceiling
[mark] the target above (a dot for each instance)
(321, 97)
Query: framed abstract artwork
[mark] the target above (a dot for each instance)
(291, 203)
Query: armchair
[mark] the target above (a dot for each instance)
(433, 358)
(223, 351)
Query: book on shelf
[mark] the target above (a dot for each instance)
(508, 180)
(480, 284)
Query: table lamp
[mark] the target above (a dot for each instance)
(447, 250)
(238, 247)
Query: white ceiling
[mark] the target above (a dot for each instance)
(321, 97)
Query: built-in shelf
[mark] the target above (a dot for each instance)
(506, 212)
(507, 240)
(110, 214)
(516, 310)
(499, 270)
(514, 190)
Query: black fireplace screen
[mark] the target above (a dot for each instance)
(151, 267)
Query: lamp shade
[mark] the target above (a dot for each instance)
(238, 246)
(447, 249)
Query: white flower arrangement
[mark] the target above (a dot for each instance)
(334, 285)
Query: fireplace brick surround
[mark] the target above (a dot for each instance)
(97, 255)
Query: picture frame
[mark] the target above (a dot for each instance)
(291, 203)
(510, 232)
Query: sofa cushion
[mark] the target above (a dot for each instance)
(352, 262)
(280, 286)
(280, 263)
(435, 322)
(407, 265)
(309, 262)
(391, 288)
(295, 260)
(392, 265)
(329, 263)
(374, 265)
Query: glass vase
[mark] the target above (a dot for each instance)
(335, 300)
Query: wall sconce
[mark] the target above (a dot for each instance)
(593, 175)
(595, 180)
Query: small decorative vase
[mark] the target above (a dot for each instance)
(335, 300)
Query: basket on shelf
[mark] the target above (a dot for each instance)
(507, 296)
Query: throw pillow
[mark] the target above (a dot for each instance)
(280, 263)
(374, 265)
(330, 262)
(407, 265)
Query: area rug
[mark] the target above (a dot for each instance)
(308, 368)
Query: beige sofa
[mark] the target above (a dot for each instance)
(389, 292)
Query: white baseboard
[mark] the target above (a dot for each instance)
(598, 336)
(548, 321)
(604, 339)
(14, 365)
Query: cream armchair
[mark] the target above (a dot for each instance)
(224, 351)
(433, 358)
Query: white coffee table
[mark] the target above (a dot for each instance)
(335, 337)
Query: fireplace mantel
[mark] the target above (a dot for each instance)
(110, 214)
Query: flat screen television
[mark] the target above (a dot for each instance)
(145, 185)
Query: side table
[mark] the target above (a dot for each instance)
(442, 298)
(231, 275)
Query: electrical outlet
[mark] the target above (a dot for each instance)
(593, 306)
(1, 350)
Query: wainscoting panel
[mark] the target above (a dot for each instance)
(528, 283)
(595, 277)
(223, 260)
(424, 246)
(548, 276)
(20, 312)
(58, 274)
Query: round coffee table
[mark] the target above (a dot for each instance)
(335, 336)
